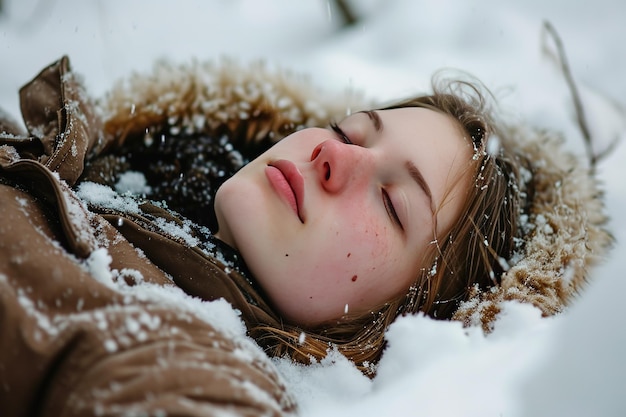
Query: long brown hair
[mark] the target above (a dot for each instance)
(473, 253)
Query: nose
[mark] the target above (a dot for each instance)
(339, 165)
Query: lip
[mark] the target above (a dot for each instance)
(294, 180)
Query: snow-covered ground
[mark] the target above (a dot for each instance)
(570, 365)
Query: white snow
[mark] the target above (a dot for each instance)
(98, 266)
(570, 365)
(132, 182)
(103, 196)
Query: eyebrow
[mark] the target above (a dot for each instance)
(376, 120)
(414, 171)
(417, 176)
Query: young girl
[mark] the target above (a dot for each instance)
(419, 206)
(319, 229)
(409, 213)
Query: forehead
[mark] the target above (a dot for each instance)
(428, 133)
(424, 124)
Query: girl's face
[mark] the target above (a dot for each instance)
(335, 221)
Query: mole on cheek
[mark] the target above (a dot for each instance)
(354, 278)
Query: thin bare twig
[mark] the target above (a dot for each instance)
(578, 106)
(346, 12)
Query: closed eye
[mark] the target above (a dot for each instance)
(391, 211)
(340, 134)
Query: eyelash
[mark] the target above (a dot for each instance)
(391, 211)
(340, 133)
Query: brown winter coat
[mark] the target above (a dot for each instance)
(72, 341)
(90, 325)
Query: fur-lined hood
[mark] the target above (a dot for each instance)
(563, 229)
(563, 232)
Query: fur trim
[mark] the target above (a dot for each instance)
(254, 103)
(563, 232)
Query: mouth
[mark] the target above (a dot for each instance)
(288, 182)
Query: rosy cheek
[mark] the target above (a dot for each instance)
(367, 250)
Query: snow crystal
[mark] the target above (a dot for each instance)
(105, 197)
(149, 321)
(43, 322)
(504, 264)
(183, 232)
(135, 275)
(23, 202)
(540, 220)
(567, 274)
(133, 182)
(101, 322)
(547, 229)
(284, 102)
(148, 140)
(132, 326)
(110, 345)
(433, 269)
(98, 266)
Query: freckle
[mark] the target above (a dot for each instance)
(349, 253)
(354, 278)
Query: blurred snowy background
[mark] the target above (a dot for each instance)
(570, 365)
